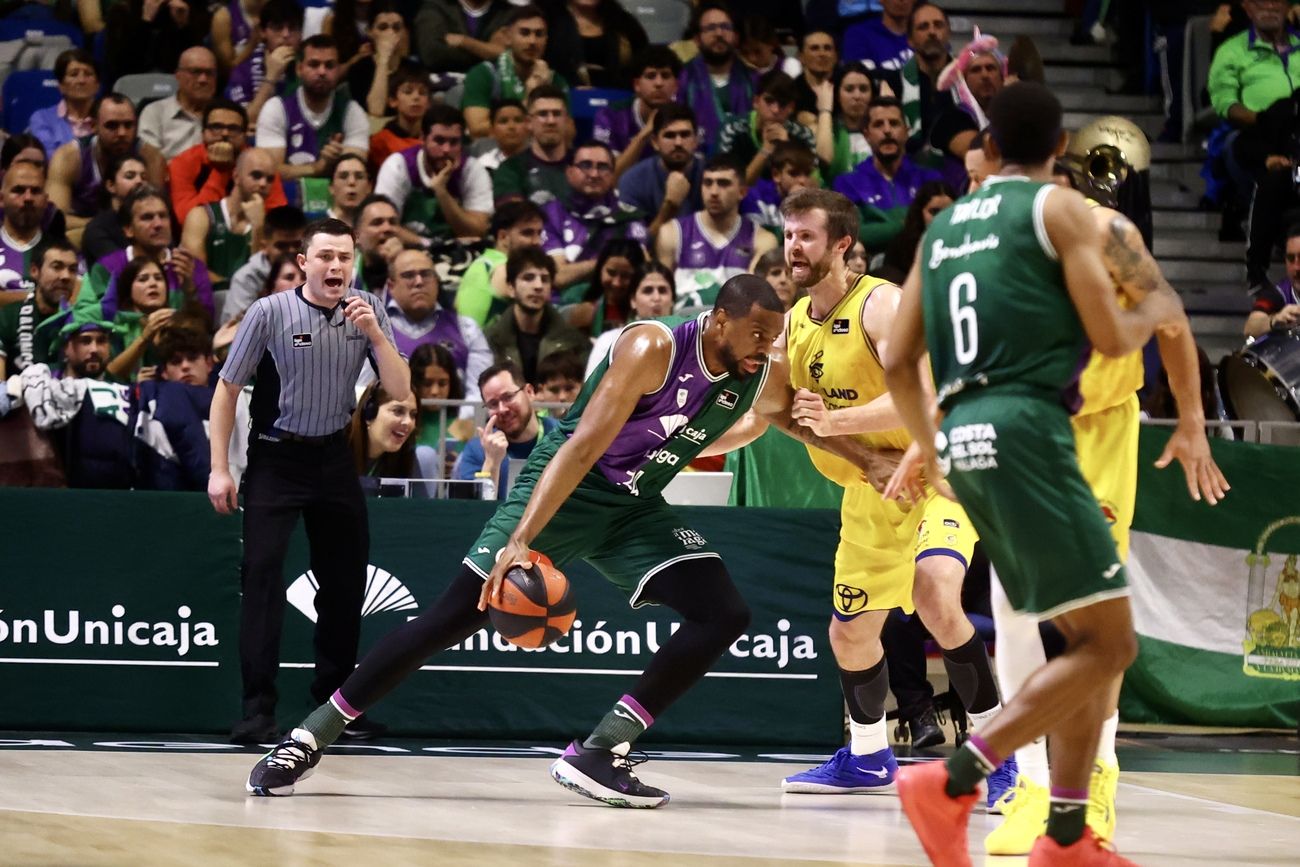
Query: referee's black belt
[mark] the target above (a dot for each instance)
(276, 435)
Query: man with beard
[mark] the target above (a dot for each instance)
(716, 84)
(437, 188)
(884, 186)
(512, 431)
(78, 168)
(532, 328)
(626, 126)
(709, 247)
(223, 235)
(23, 189)
(537, 174)
(417, 318)
(175, 124)
(378, 241)
(307, 131)
(518, 70)
(26, 328)
(592, 491)
(148, 226)
(891, 555)
(982, 71)
(667, 185)
(915, 83)
(577, 226)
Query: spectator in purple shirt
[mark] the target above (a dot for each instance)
(716, 85)
(881, 43)
(626, 126)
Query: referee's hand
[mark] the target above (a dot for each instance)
(222, 492)
(362, 315)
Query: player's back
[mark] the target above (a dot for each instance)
(997, 312)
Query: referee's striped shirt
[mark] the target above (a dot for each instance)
(306, 360)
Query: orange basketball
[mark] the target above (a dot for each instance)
(537, 605)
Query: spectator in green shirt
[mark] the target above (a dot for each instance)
(514, 74)
(537, 174)
(483, 291)
(749, 140)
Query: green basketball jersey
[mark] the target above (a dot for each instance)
(997, 312)
(227, 250)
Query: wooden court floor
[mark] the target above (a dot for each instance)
(398, 804)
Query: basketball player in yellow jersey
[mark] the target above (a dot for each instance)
(891, 554)
(1106, 429)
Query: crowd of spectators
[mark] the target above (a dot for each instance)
(509, 220)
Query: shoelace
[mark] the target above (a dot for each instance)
(1013, 798)
(1097, 799)
(630, 761)
(288, 756)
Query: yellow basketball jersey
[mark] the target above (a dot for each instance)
(1108, 382)
(835, 358)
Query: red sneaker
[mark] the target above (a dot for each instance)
(1087, 851)
(939, 820)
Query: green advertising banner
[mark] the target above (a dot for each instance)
(119, 612)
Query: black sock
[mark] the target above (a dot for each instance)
(1067, 817)
(971, 675)
(865, 691)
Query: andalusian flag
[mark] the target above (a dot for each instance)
(1216, 592)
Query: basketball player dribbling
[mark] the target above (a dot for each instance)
(1006, 286)
(592, 491)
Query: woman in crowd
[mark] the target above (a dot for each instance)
(434, 377)
(104, 233)
(69, 118)
(931, 198)
(592, 42)
(847, 146)
(142, 314)
(382, 437)
(652, 298)
(605, 304)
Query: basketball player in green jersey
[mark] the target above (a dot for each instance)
(1007, 284)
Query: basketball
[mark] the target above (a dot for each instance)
(536, 605)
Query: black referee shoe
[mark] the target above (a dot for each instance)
(293, 759)
(606, 776)
(363, 728)
(256, 729)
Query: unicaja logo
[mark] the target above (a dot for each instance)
(384, 592)
(69, 627)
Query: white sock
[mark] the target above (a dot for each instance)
(1106, 746)
(1019, 654)
(867, 738)
(977, 720)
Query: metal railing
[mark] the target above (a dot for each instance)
(1277, 433)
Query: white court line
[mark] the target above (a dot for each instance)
(159, 663)
(505, 669)
(1229, 808)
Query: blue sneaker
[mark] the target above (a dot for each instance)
(1000, 782)
(846, 774)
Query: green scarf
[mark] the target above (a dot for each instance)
(508, 83)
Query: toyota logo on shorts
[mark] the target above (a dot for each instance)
(852, 599)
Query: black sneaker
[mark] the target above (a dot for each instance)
(257, 729)
(925, 730)
(363, 728)
(605, 775)
(292, 760)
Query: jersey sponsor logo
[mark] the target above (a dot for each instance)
(695, 435)
(682, 395)
(661, 456)
(728, 399)
(815, 366)
(301, 341)
(973, 447)
(939, 253)
(672, 423)
(841, 393)
(384, 592)
(691, 540)
(840, 326)
(852, 599)
(979, 209)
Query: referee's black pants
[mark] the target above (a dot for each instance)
(285, 479)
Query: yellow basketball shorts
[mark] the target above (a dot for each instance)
(881, 542)
(1107, 445)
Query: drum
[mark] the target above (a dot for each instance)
(1262, 381)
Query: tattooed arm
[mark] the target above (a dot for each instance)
(1137, 275)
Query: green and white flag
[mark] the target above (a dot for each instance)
(1216, 592)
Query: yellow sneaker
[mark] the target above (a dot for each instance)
(1101, 799)
(1024, 808)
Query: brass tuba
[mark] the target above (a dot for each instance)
(1103, 153)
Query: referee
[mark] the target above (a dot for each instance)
(305, 348)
